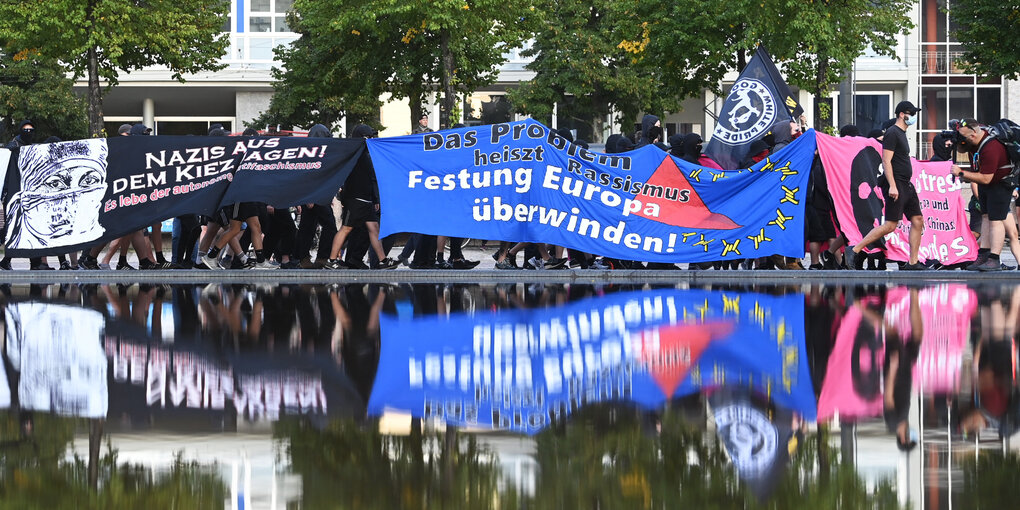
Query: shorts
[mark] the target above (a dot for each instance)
(356, 213)
(995, 200)
(819, 225)
(238, 212)
(907, 205)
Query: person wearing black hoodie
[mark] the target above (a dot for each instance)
(25, 136)
(651, 132)
(313, 216)
(360, 199)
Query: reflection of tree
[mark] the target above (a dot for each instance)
(990, 481)
(353, 465)
(35, 473)
(613, 457)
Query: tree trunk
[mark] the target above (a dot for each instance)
(448, 102)
(95, 447)
(95, 93)
(95, 96)
(416, 107)
(822, 119)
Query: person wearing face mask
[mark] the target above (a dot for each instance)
(692, 146)
(900, 196)
(26, 135)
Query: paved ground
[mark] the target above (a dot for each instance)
(473, 252)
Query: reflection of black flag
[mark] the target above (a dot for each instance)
(758, 101)
(759, 437)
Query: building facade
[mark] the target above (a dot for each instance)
(925, 70)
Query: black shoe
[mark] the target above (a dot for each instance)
(443, 264)
(914, 267)
(555, 263)
(5, 265)
(334, 264)
(145, 265)
(980, 260)
(851, 257)
(465, 264)
(124, 266)
(42, 267)
(65, 266)
(291, 264)
(816, 267)
(828, 260)
(88, 263)
(388, 263)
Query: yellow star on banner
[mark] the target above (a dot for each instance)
(728, 247)
(716, 177)
(759, 238)
(696, 174)
(686, 235)
(702, 309)
(787, 171)
(768, 166)
(790, 195)
(780, 220)
(731, 304)
(704, 243)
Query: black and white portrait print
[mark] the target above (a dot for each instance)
(62, 188)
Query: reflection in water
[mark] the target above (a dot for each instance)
(509, 396)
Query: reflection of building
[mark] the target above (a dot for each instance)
(247, 463)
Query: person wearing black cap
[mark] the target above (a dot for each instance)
(900, 196)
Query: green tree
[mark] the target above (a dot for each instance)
(100, 39)
(986, 30)
(34, 88)
(352, 52)
(818, 45)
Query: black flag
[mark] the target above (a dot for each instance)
(758, 101)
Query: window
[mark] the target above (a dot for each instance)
(871, 111)
(269, 15)
(486, 108)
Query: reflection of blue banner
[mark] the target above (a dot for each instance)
(521, 182)
(520, 369)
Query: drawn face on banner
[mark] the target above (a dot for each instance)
(865, 195)
(62, 188)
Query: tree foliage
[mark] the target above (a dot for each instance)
(102, 38)
(987, 29)
(39, 90)
(352, 52)
(650, 56)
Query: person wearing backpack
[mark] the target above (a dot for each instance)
(990, 164)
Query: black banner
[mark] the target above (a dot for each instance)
(758, 101)
(71, 195)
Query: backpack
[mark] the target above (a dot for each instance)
(1008, 133)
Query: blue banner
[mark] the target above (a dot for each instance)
(522, 182)
(522, 369)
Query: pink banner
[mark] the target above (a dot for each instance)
(852, 166)
(853, 376)
(946, 311)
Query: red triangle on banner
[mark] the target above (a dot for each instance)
(685, 210)
(670, 356)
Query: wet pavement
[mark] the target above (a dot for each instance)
(545, 394)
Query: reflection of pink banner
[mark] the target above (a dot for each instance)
(851, 165)
(946, 311)
(854, 368)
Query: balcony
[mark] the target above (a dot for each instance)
(942, 62)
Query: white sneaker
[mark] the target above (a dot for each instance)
(537, 263)
(210, 262)
(265, 264)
